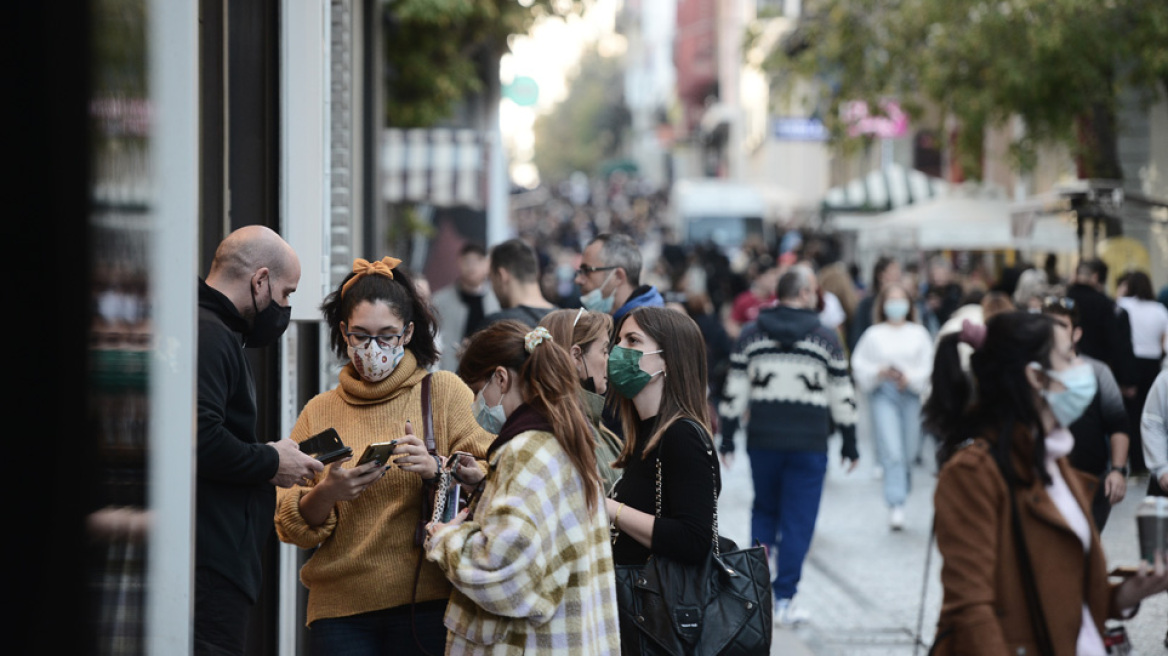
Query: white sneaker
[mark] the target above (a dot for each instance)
(788, 614)
(896, 518)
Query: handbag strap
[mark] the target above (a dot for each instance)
(1030, 586)
(713, 476)
(420, 532)
(428, 417)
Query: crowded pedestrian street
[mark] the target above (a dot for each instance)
(862, 582)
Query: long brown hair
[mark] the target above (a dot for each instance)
(684, 394)
(575, 328)
(550, 387)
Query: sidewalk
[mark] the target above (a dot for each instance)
(862, 583)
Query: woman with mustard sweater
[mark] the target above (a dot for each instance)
(366, 594)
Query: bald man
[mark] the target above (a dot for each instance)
(243, 303)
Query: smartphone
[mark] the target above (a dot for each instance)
(379, 451)
(326, 446)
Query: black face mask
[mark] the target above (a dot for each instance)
(268, 324)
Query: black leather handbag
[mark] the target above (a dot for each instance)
(721, 606)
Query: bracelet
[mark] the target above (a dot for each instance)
(613, 531)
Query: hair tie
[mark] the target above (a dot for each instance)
(535, 338)
(363, 267)
(973, 334)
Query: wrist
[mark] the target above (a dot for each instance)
(1123, 470)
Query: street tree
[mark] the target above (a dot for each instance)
(438, 52)
(588, 126)
(1058, 65)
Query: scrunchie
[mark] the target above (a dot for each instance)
(363, 267)
(973, 334)
(535, 338)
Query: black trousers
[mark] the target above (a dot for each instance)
(221, 615)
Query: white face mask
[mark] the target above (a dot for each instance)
(491, 418)
(596, 301)
(374, 363)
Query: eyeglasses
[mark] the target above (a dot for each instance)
(361, 340)
(1055, 302)
(586, 270)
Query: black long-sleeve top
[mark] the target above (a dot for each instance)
(690, 485)
(235, 503)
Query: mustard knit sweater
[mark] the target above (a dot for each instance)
(366, 556)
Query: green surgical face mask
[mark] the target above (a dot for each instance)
(625, 373)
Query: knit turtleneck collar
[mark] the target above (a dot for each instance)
(357, 391)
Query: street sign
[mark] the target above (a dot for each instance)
(522, 91)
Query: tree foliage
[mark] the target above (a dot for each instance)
(440, 51)
(1056, 64)
(588, 126)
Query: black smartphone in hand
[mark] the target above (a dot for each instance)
(326, 446)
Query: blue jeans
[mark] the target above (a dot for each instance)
(787, 488)
(896, 426)
(381, 632)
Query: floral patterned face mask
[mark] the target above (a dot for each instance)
(374, 363)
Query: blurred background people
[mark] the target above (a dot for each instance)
(763, 275)
(1148, 319)
(1031, 289)
(834, 279)
(530, 558)
(1155, 431)
(891, 365)
(885, 271)
(1101, 433)
(461, 306)
(515, 280)
(610, 277)
(943, 294)
(368, 590)
(1106, 335)
(789, 384)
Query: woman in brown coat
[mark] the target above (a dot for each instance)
(1004, 444)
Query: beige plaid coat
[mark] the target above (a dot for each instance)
(533, 571)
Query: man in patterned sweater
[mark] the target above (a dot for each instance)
(789, 376)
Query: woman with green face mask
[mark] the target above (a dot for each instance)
(658, 370)
(891, 364)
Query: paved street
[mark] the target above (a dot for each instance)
(862, 582)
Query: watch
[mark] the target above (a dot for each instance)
(1125, 469)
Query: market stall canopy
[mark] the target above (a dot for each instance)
(963, 223)
(891, 187)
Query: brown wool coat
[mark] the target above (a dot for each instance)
(984, 611)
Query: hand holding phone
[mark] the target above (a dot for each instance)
(379, 452)
(326, 446)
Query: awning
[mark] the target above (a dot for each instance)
(885, 189)
(964, 223)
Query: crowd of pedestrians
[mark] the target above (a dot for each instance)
(579, 414)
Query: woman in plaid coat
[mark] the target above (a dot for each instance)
(530, 559)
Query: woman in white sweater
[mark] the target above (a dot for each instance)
(891, 364)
